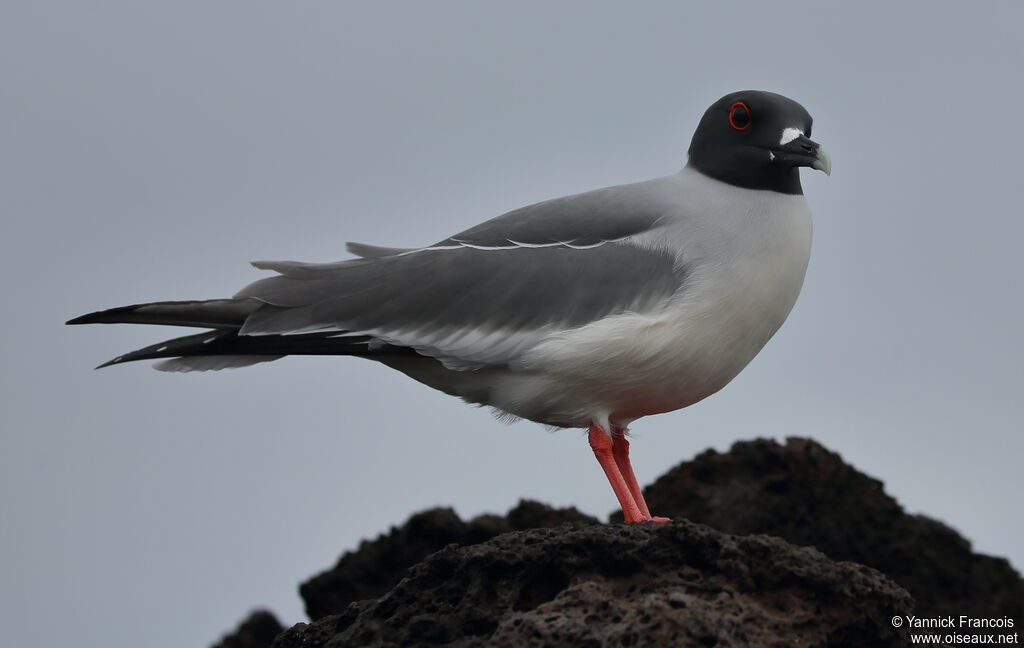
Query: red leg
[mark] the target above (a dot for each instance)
(620, 450)
(602, 446)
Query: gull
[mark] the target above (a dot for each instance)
(587, 311)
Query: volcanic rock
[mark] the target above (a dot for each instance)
(256, 631)
(808, 495)
(673, 584)
(378, 565)
(846, 558)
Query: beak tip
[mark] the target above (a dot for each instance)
(824, 161)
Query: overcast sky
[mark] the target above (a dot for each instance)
(149, 152)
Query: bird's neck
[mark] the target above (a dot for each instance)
(785, 180)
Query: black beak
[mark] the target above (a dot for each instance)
(803, 151)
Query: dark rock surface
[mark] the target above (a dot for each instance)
(675, 584)
(378, 565)
(517, 581)
(256, 631)
(806, 494)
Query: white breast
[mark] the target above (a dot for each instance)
(745, 252)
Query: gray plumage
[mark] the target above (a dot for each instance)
(595, 308)
(591, 310)
(457, 302)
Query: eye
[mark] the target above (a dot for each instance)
(739, 116)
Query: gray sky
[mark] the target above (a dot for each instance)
(149, 152)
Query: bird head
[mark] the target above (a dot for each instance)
(757, 140)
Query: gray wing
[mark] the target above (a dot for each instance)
(581, 220)
(486, 294)
(373, 251)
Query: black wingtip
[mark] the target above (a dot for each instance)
(107, 316)
(119, 359)
(206, 313)
(81, 319)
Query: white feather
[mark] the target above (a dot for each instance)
(790, 134)
(211, 362)
(747, 252)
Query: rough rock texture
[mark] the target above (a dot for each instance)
(378, 565)
(675, 584)
(505, 581)
(256, 631)
(806, 494)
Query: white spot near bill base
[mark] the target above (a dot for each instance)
(789, 135)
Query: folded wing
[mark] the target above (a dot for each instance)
(478, 298)
(484, 295)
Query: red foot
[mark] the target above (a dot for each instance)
(652, 518)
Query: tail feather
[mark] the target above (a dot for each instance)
(211, 313)
(210, 363)
(249, 349)
(223, 347)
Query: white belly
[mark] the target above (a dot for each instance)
(628, 366)
(742, 281)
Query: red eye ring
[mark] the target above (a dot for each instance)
(732, 109)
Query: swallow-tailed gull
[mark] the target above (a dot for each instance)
(588, 311)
